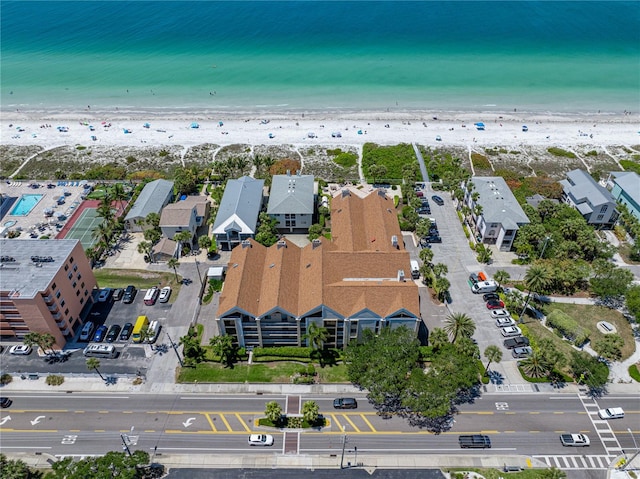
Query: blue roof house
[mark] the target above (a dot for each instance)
(625, 188)
(237, 217)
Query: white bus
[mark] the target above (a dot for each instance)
(100, 351)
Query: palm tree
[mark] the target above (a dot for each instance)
(118, 194)
(459, 324)
(174, 263)
(273, 411)
(441, 286)
(493, 354)
(501, 277)
(94, 364)
(104, 210)
(468, 347)
(311, 411)
(223, 347)
(103, 232)
(144, 248)
(43, 340)
(316, 336)
(438, 338)
(537, 278)
(183, 237)
(536, 366)
(204, 242)
(426, 255)
(440, 268)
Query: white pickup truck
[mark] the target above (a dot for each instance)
(574, 440)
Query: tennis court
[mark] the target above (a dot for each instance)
(83, 227)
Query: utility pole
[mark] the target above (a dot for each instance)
(175, 350)
(125, 446)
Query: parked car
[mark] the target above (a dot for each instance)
(112, 335)
(419, 194)
(437, 200)
(101, 332)
(129, 294)
(5, 402)
(490, 296)
(423, 211)
(126, 331)
(522, 352)
(495, 304)
(345, 403)
(117, 294)
(433, 238)
(165, 293)
(151, 296)
(425, 203)
(511, 331)
(20, 349)
(502, 322)
(518, 341)
(261, 440)
(499, 313)
(104, 295)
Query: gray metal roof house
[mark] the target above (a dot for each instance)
(625, 187)
(237, 217)
(291, 202)
(501, 214)
(594, 202)
(153, 197)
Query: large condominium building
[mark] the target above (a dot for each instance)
(45, 287)
(359, 280)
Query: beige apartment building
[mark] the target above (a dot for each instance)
(45, 286)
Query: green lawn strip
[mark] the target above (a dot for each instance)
(141, 279)
(634, 372)
(495, 473)
(588, 317)
(280, 372)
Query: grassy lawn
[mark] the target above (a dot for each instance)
(120, 278)
(276, 372)
(587, 316)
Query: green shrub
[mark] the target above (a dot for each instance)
(566, 325)
(554, 150)
(80, 147)
(5, 379)
(283, 352)
(54, 380)
(480, 161)
(345, 159)
(634, 372)
(396, 200)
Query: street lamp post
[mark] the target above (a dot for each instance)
(175, 350)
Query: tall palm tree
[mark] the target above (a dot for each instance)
(426, 255)
(537, 278)
(174, 263)
(94, 364)
(43, 340)
(316, 336)
(103, 232)
(441, 286)
(119, 194)
(459, 324)
(536, 366)
(501, 277)
(493, 354)
(440, 268)
(104, 209)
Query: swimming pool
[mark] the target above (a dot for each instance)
(25, 204)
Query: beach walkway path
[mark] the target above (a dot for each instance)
(423, 168)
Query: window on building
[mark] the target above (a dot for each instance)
(81, 300)
(604, 208)
(75, 267)
(600, 217)
(78, 292)
(71, 260)
(58, 294)
(66, 267)
(74, 284)
(70, 275)
(66, 311)
(82, 284)
(79, 276)
(86, 292)
(54, 286)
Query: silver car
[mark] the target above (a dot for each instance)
(503, 322)
(523, 352)
(510, 331)
(500, 313)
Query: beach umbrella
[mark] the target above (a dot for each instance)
(146, 125)
(220, 123)
(195, 125)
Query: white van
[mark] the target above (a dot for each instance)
(611, 413)
(415, 269)
(484, 287)
(154, 330)
(87, 329)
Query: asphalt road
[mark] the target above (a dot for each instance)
(81, 423)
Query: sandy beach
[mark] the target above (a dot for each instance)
(353, 129)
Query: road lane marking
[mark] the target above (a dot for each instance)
(103, 412)
(246, 428)
(226, 423)
(351, 422)
(213, 426)
(335, 419)
(149, 430)
(368, 423)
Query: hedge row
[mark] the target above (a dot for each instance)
(283, 352)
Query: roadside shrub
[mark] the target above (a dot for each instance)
(569, 328)
(54, 380)
(634, 372)
(5, 379)
(396, 201)
(283, 352)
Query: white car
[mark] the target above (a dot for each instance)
(165, 293)
(611, 413)
(261, 440)
(21, 349)
(503, 322)
(511, 331)
(500, 313)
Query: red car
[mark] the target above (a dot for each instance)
(495, 304)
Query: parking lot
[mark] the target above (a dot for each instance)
(131, 359)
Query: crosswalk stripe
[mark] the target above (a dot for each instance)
(576, 462)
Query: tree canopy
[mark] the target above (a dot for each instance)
(112, 464)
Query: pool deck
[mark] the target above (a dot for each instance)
(36, 222)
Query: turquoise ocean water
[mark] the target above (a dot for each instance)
(566, 56)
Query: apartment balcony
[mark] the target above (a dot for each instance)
(48, 300)
(53, 308)
(56, 316)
